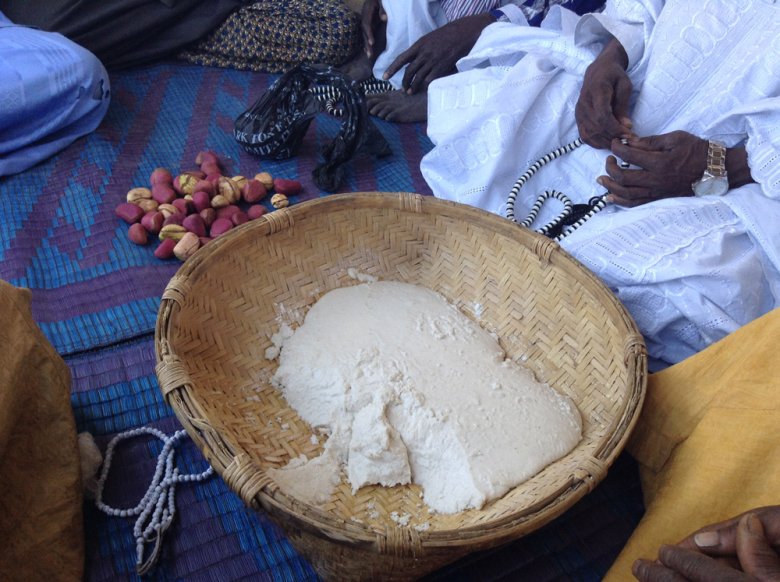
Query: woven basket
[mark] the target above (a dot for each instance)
(219, 311)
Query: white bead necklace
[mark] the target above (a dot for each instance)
(156, 509)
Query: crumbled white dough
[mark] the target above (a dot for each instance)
(414, 391)
(402, 520)
(353, 273)
(285, 332)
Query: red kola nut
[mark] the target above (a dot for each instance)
(210, 168)
(183, 206)
(201, 200)
(137, 234)
(213, 178)
(204, 240)
(185, 183)
(128, 212)
(195, 223)
(239, 217)
(165, 249)
(160, 176)
(163, 193)
(255, 211)
(206, 157)
(176, 218)
(287, 187)
(253, 191)
(206, 186)
(220, 226)
(208, 215)
(153, 221)
(227, 211)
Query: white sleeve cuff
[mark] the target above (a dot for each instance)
(600, 28)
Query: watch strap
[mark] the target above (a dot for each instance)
(716, 159)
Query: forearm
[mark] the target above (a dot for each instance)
(615, 52)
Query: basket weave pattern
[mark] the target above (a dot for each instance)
(219, 311)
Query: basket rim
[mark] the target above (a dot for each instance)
(233, 462)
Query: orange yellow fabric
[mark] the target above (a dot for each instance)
(708, 439)
(41, 524)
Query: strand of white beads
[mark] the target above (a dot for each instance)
(156, 509)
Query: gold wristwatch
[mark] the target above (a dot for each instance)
(714, 181)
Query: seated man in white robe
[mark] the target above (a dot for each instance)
(52, 91)
(409, 43)
(689, 241)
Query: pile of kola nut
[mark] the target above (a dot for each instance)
(187, 211)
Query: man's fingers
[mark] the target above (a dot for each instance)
(639, 154)
(420, 80)
(647, 571)
(720, 538)
(755, 553)
(412, 70)
(698, 567)
(630, 178)
(398, 63)
(624, 195)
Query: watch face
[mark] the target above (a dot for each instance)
(711, 186)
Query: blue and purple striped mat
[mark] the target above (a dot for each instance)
(96, 295)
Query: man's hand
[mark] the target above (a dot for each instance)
(371, 15)
(435, 54)
(743, 548)
(602, 109)
(668, 165)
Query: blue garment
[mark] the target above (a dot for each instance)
(52, 91)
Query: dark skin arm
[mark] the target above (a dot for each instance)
(372, 16)
(602, 108)
(435, 54)
(668, 165)
(743, 548)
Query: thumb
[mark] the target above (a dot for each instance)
(754, 551)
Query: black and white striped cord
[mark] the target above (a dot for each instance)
(540, 200)
(566, 221)
(535, 167)
(329, 96)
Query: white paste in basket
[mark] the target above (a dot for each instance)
(412, 390)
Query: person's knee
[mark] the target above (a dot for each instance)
(93, 76)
